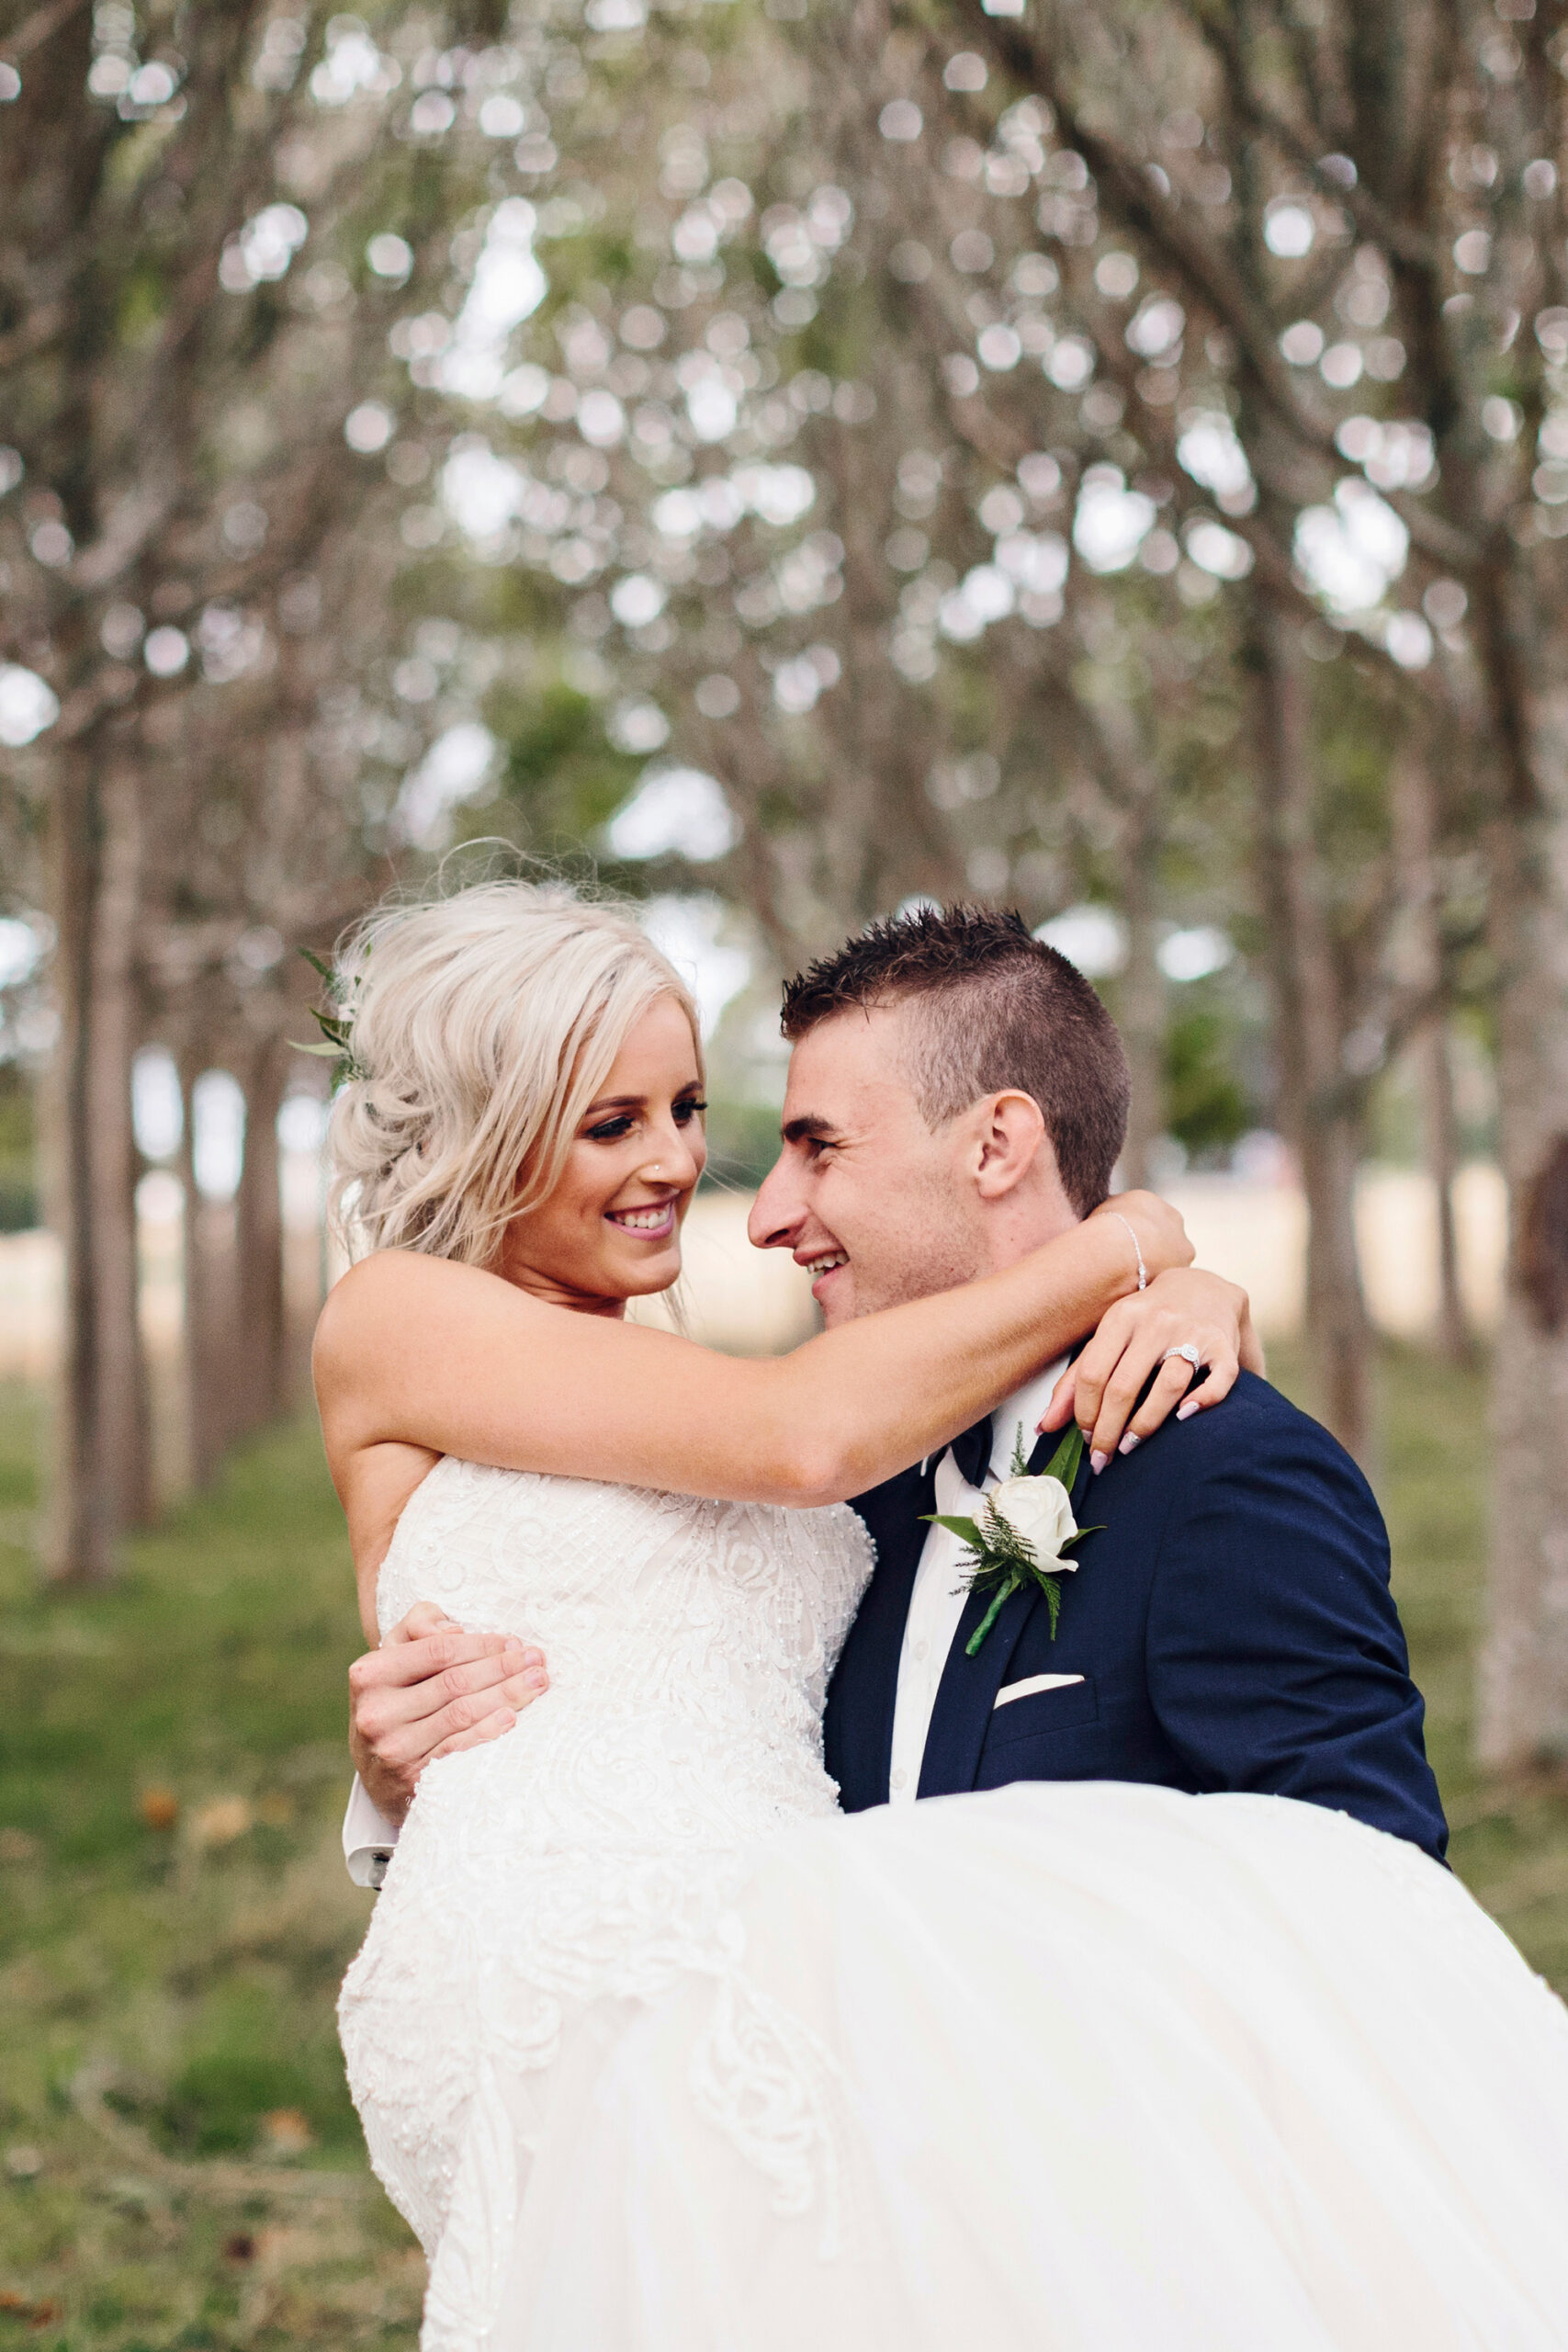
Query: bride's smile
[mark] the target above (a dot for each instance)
(610, 1229)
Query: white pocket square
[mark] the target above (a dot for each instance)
(1030, 1683)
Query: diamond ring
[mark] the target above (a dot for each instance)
(1188, 1353)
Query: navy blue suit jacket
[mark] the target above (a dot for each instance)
(1232, 1626)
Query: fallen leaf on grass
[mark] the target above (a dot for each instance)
(17, 2306)
(287, 2131)
(159, 1808)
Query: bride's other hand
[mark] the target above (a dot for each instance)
(1181, 1307)
(429, 1690)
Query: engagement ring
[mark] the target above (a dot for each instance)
(1187, 1352)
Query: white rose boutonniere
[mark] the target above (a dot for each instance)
(1040, 1510)
(1022, 1534)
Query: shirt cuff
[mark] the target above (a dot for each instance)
(369, 1838)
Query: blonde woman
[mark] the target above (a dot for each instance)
(654, 2047)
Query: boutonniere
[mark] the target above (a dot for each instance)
(1022, 1533)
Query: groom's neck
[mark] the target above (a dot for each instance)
(1017, 1225)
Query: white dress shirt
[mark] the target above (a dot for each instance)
(936, 1604)
(369, 1838)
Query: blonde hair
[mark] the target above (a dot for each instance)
(483, 1025)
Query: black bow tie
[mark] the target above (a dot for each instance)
(972, 1452)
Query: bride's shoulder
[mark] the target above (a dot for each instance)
(374, 1298)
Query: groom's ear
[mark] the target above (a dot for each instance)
(1007, 1138)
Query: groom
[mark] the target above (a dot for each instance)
(1228, 1626)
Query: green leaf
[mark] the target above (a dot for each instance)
(1064, 1462)
(965, 1528)
(1052, 1589)
(1081, 1530)
(328, 1053)
(316, 964)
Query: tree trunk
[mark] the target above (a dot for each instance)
(259, 1241)
(209, 1336)
(1143, 998)
(1418, 951)
(1441, 1127)
(1523, 1696)
(101, 1472)
(1337, 1333)
(1322, 1114)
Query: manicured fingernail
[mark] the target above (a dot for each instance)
(1185, 1412)
(533, 1657)
(1129, 1443)
(1097, 1462)
(504, 1722)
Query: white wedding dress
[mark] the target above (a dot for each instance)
(658, 2052)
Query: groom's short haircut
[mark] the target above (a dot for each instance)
(995, 1008)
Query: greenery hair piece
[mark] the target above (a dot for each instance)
(336, 1026)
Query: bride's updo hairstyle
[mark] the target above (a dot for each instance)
(483, 1025)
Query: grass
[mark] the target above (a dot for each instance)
(179, 2163)
(1509, 1840)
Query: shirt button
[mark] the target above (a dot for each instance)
(921, 1648)
(900, 1778)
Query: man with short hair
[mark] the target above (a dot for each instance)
(958, 1095)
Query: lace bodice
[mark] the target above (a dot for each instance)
(591, 1852)
(689, 1645)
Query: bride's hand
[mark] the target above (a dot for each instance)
(1182, 1308)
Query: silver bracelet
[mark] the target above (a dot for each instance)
(1137, 1252)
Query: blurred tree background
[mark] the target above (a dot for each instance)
(790, 457)
(1110, 459)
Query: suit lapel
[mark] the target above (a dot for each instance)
(967, 1692)
(867, 1685)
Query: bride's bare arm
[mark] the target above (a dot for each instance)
(423, 1353)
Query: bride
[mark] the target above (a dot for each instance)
(654, 2049)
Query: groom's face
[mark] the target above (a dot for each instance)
(864, 1193)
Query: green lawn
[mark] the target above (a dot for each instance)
(180, 2161)
(165, 1991)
